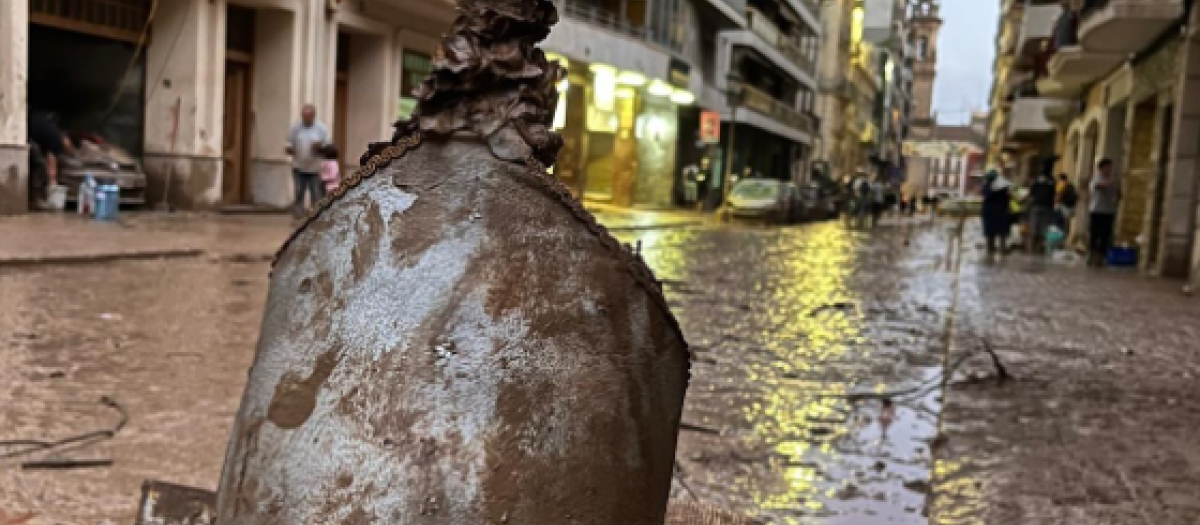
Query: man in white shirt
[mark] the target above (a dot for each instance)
(305, 143)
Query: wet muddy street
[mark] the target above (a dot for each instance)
(796, 333)
(170, 342)
(816, 394)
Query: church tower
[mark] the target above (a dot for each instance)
(925, 24)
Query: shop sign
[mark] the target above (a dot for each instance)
(679, 74)
(710, 127)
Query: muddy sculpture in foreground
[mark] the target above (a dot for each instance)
(451, 338)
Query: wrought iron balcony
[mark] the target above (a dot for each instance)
(774, 37)
(758, 101)
(592, 13)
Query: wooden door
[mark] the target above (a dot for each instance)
(341, 113)
(236, 148)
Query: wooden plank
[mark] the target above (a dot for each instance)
(83, 27)
(116, 19)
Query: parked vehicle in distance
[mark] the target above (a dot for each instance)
(763, 199)
(818, 203)
(105, 162)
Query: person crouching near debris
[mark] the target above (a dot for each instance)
(331, 171)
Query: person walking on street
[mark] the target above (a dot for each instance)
(1041, 209)
(1106, 200)
(862, 200)
(995, 213)
(306, 144)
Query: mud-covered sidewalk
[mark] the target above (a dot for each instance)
(1101, 424)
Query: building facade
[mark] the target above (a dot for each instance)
(205, 91)
(927, 153)
(655, 88)
(887, 48)
(838, 148)
(949, 161)
(1109, 79)
(866, 87)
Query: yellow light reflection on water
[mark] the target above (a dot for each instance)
(959, 496)
(821, 271)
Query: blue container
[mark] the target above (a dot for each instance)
(108, 199)
(1123, 257)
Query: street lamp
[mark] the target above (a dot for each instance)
(733, 94)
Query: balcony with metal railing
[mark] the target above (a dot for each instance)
(591, 12)
(765, 29)
(1029, 121)
(813, 7)
(760, 102)
(1069, 64)
(1037, 25)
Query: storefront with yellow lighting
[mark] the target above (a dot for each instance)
(620, 129)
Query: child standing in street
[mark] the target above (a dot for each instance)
(331, 173)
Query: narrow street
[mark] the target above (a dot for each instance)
(816, 394)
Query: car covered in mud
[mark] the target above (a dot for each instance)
(763, 199)
(107, 163)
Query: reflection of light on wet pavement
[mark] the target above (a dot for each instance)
(960, 498)
(787, 326)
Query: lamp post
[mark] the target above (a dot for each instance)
(733, 93)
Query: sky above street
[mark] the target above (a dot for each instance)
(965, 54)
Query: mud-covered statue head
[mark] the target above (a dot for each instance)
(489, 78)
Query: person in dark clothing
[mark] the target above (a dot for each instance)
(1041, 209)
(52, 144)
(1067, 198)
(997, 222)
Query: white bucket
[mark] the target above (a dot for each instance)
(56, 197)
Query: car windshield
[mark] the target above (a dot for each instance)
(756, 189)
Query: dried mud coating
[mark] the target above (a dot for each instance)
(454, 343)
